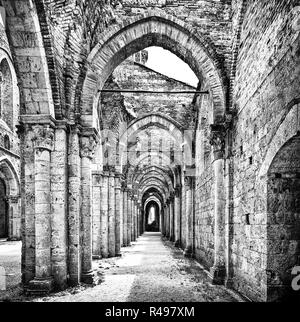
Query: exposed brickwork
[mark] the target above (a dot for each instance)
(266, 88)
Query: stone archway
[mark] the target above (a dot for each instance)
(120, 42)
(3, 210)
(152, 217)
(10, 200)
(283, 221)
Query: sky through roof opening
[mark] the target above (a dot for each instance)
(165, 62)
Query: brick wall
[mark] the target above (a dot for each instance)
(266, 86)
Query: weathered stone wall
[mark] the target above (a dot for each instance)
(266, 87)
(283, 230)
(210, 18)
(204, 190)
(136, 76)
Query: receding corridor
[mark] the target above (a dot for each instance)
(150, 270)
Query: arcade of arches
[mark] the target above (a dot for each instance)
(84, 172)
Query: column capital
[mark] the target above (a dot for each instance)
(177, 190)
(43, 136)
(87, 146)
(75, 128)
(13, 199)
(188, 181)
(217, 140)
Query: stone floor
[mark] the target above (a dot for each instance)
(151, 270)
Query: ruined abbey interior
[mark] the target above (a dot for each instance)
(97, 148)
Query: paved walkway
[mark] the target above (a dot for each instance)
(149, 270)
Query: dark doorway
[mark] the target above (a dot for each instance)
(152, 217)
(3, 211)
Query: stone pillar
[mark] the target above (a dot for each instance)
(229, 221)
(59, 196)
(118, 207)
(43, 145)
(132, 218)
(96, 218)
(217, 272)
(87, 149)
(177, 215)
(14, 229)
(125, 216)
(167, 221)
(129, 212)
(138, 220)
(104, 215)
(189, 213)
(135, 220)
(111, 215)
(27, 202)
(74, 206)
(172, 217)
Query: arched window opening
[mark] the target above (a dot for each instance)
(6, 94)
(152, 217)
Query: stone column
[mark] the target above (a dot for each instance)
(167, 221)
(132, 218)
(111, 215)
(27, 208)
(177, 215)
(43, 144)
(172, 217)
(96, 218)
(87, 149)
(14, 229)
(74, 206)
(138, 220)
(189, 187)
(104, 215)
(59, 198)
(129, 214)
(118, 206)
(217, 272)
(125, 216)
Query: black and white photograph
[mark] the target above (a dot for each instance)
(150, 154)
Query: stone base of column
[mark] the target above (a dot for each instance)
(118, 254)
(13, 239)
(89, 278)
(39, 286)
(96, 256)
(228, 282)
(73, 280)
(104, 255)
(188, 252)
(217, 275)
(177, 243)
